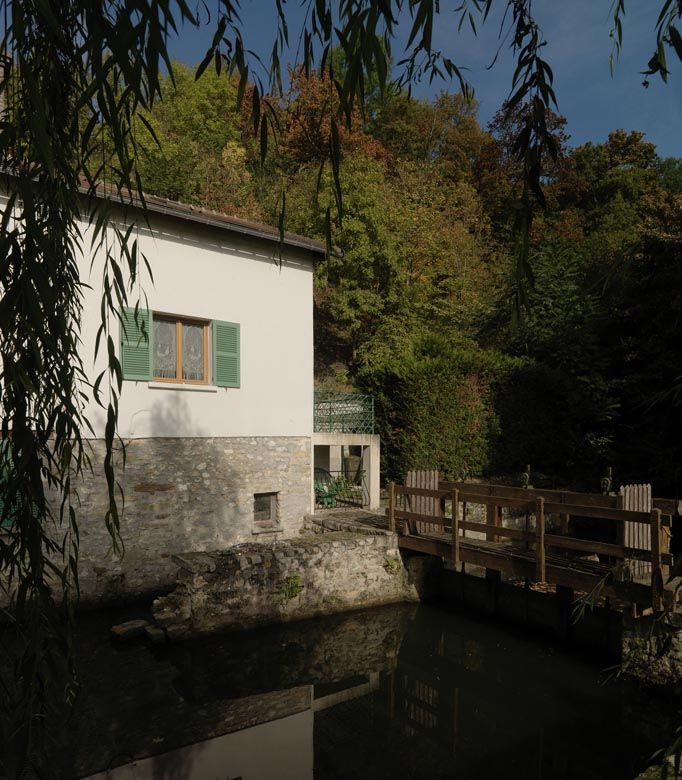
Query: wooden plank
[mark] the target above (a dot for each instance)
(509, 533)
(540, 539)
(520, 568)
(490, 513)
(656, 568)
(667, 506)
(422, 489)
(638, 535)
(512, 503)
(666, 534)
(523, 498)
(601, 548)
(554, 496)
(417, 517)
(455, 526)
(391, 507)
(585, 545)
(603, 513)
(422, 544)
(418, 491)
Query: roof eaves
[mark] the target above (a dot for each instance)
(212, 218)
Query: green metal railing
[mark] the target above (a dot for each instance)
(335, 489)
(343, 412)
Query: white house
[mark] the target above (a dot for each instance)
(216, 411)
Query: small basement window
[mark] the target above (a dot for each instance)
(265, 511)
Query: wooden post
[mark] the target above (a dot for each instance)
(666, 533)
(455, 526)
(491, 512)
(540, 540)
(656, 568)
(391, 507)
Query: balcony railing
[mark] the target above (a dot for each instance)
(343, 412)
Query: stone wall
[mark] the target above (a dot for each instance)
(652, 650)
(259, 584)
(185, 495)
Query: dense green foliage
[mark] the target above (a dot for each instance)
(416, 307)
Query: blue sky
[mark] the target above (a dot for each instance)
(578, 48)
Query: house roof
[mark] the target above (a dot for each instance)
(173, 208)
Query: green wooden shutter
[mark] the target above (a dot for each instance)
(136, 346)
(226, 371)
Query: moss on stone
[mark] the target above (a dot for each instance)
(290, 587)
(392, 565)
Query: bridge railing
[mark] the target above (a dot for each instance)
(442, 512)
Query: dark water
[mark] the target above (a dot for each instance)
(398, 692)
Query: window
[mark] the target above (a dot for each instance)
(265, 511)
(178, 349)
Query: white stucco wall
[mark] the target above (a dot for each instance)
(279, 750)
(204, 272)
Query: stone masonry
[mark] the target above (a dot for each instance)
(652, 649)
(186, 495)
(259, 584)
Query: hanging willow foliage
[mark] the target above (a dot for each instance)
(75, 71)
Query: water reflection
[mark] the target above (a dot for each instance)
(397, 692)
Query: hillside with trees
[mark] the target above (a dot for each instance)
(416, 308)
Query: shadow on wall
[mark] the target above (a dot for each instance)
(171, 415)
(182, 492)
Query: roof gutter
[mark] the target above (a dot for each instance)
(232, 227)
(190, 215)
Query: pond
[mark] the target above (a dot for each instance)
(397, 692)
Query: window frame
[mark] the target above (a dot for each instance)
(272, 524)
(179, 320)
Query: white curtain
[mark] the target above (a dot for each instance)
(192, 351)
(164, 349)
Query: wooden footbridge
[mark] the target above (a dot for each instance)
(546, 544)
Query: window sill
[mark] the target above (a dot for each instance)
(275, 529)
(183, 386)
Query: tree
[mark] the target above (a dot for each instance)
(600, 329)
(443, 132)
(194, 149)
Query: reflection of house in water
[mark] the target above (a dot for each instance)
(409, 692)
(240, 705)
(279, 748)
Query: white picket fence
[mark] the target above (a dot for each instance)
(637, 498)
